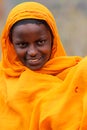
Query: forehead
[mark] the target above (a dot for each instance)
(26, 26)
(30, 29)
(33, 21)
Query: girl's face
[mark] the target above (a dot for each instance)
(33, 44)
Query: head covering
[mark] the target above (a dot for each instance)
(10, 63)
(24, 104)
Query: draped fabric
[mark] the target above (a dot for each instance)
(66, 108)
(23, 92)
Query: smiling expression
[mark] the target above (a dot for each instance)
(33, 44)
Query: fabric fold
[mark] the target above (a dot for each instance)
(36, 100)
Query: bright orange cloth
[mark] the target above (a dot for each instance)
(21, 89)
(66, 108)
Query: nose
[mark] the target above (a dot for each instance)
(32, 50)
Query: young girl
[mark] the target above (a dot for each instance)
(33, 64)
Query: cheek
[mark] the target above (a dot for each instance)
(20, 53)
(47, 51)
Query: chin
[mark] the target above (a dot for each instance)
(33, 68)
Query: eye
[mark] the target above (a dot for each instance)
(41, 42)
(22, 45)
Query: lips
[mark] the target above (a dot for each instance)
(33, 61)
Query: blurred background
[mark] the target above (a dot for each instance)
(71, 19)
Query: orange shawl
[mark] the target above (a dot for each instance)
(20, 88)
(66, 108)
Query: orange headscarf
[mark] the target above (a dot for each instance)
(10, 64)
(20, 88)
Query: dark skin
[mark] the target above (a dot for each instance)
(33, 44)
